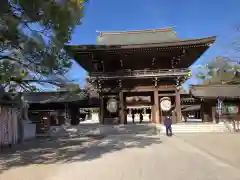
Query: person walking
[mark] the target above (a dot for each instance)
(149, 116)
(141, 118)
(168, 126)
(133, 117)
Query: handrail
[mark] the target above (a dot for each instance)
(138, 72)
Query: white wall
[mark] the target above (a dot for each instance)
(29, 130)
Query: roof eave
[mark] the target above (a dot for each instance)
(210, 91)
(191, 42)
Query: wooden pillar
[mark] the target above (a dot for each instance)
(202, 111)
(160, 114)
(121, 108)
(101, 112)
(153, 113)
(178, 106)
(156, 107)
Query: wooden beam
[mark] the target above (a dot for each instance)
(166, 94)
(151, 88)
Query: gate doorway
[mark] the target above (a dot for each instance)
(134, 114)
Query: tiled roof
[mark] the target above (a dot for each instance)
(54, 97)
(45, 97)
(137, 37)
(192, 108)
(183, 91)
(215, 91)
(188, 100)
(78, 49)
(6, 99)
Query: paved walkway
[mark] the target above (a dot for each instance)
(125, 157)
(225, 146)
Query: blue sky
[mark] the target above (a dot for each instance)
(192, 18)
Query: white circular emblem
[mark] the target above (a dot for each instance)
(112, 105)
(165, 103)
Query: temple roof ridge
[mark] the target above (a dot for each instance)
(167, 29)
(137, 36)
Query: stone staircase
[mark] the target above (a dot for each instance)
(136, 129)
(195, 128)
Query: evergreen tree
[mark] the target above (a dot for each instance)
(220, 71)
(32, 38)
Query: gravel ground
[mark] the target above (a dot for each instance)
(127, 157)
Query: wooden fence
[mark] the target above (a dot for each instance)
(9, 133)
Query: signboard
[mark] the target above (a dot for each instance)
(138, 100)
(230, 109)
(227, 109)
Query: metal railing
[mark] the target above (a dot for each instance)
(140, 73)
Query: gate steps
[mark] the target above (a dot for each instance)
(195, 128)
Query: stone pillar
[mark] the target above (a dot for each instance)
(178, 106)
(214, 115)
(130, 111)
(101, 112)
(121, 108)
(156, 107)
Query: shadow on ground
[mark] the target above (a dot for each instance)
(66, 149)
(83, 129)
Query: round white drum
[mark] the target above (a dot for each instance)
(165, 103)
(112, 105)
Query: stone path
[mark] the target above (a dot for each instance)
(130, 157)
(225, 146)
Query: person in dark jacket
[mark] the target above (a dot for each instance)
(168, 125)
(133, 117)
(141, 118)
